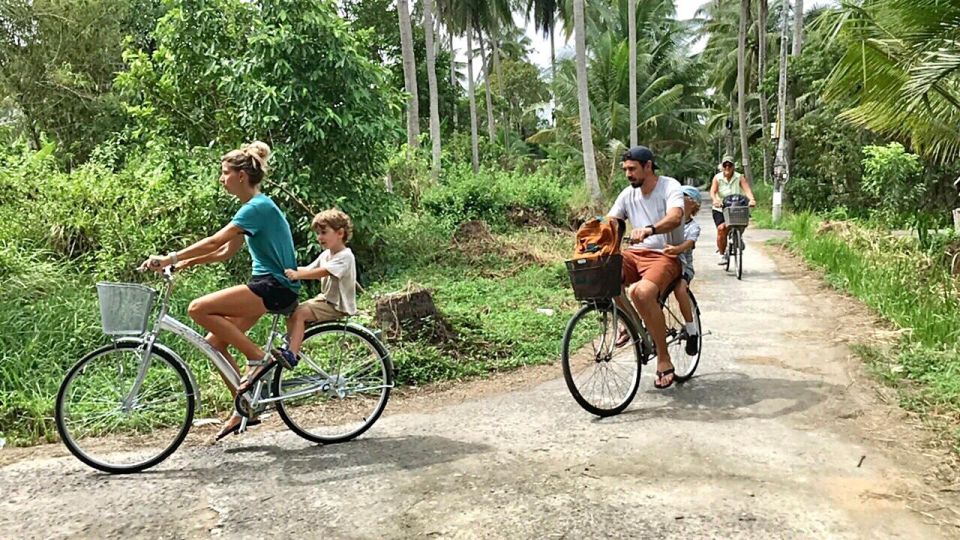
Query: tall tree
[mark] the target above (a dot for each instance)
(472, 96)
(742, 89)
(761, 91)
(632, 38)
(781, 170)
(409, 74)
(544, 15)
(583, 99)
(432, 81)
(485, 72)
(797, 28)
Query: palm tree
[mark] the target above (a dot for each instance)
(742, 89)
(544, 14)
(781, 171)
(761, 73)
(485, 72)
(409, 74)
(589, 160)
(899, 75)
(632, 33)
(465, 17)
(432, 80)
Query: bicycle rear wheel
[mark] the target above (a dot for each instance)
(109, 429)
(684, 365)
(602, 377)
(340, 386)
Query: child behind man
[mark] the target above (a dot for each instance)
(684, 252)
(337, 270)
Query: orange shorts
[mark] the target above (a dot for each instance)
(652, 266)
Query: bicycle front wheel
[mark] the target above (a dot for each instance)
(340, 386)
(112, 426)
(601, 375)
(739, 254)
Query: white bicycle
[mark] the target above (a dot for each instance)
(127, 406)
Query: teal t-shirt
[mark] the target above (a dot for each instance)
(268, 239)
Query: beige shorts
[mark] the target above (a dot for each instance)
(322, 310)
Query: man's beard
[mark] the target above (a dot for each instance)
(635, 182)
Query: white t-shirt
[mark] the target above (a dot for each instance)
(340, 287)
(691, 231)
(643, 211)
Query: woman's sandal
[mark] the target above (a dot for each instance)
(247, 381)
(236, 427)
(660, 376)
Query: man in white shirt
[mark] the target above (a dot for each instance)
(654, 206)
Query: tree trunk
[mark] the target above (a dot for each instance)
(484, 65)
(495, 40)
(728, 125)
(409, 74)
(761, 75)
(553, 55)
(742, 89)
(781, 171)
(472, 95)
(583, 100)
(632, 37)
(797, 28)
(453, 80)
(432, 80)
(553, 76)
(795, 51)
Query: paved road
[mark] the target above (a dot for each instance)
(767, 442)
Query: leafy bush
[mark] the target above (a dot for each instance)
(494, 196)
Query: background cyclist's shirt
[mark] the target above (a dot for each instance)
(268, 238)
(643, 211)
(731, 187)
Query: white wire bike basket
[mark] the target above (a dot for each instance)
(125, 308)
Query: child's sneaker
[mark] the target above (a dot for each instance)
(286, 358)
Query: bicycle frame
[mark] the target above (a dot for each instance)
(166, 322)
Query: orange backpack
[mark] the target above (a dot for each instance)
(599, 237)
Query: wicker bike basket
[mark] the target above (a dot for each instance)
(125, 308)
(736, 216)
(597, 278)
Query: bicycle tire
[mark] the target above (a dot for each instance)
(739, 255)
(314, 338)
(683, 374)
(567, 357)
(730, 252)
(77, 449)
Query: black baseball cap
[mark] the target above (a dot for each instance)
(639, 153)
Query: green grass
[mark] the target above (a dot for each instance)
(910, 288)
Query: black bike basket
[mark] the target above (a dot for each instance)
(597, 278)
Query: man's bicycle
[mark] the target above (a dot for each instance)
(127, 406)
(600, 367)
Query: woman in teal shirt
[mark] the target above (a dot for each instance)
(230, 313)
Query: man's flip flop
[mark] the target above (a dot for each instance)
(660, 376)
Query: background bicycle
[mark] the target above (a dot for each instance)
(127, 406)
(736, 215)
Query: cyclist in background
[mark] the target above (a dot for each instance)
(724, 184)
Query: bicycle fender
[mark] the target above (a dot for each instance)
(176, 358)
